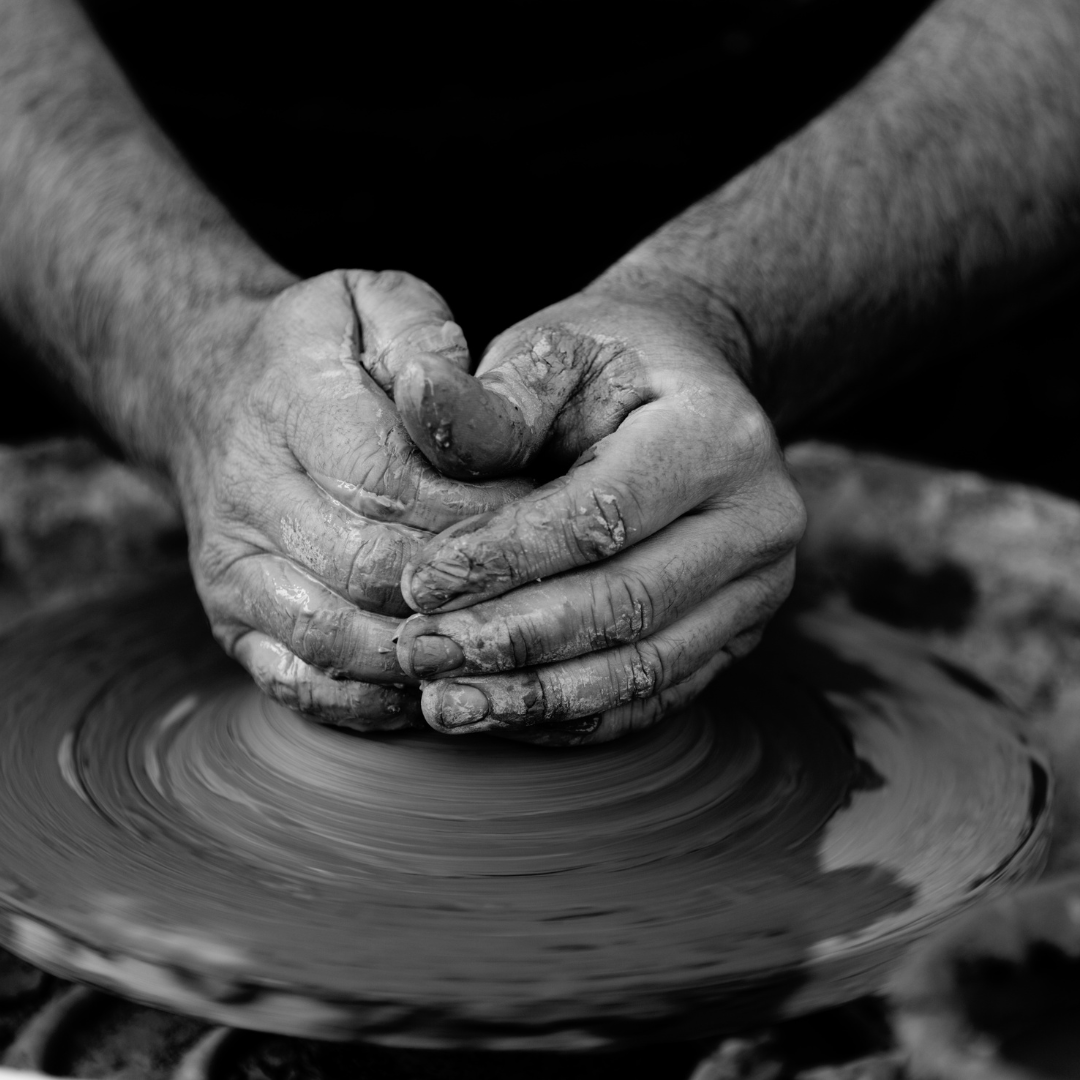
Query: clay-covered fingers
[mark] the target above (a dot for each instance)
(304, 495)
(402, 317)
(594, 620)
(664, 460)
(272, 594)
(305, 645)
(635, 715)
(724, 625)
(315, 402)
(495, 425)
(338, 355)
(283, 676)
(359, 558)
(616, 602)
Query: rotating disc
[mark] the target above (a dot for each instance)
(171, 835)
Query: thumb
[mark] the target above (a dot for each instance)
(496, 423)
(401, 316)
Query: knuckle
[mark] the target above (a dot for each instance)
(783, 522)
(299, 635)
(542, 699)
(639, 670)
(518, 643)
(622, 610)
(639, 610)
(526, 698)
(644, 712)
(321, 637)
(499, 644)
(748, 448)
(773, 518)
(597, 522)
(752, 432)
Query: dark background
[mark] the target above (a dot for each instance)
(507, 157)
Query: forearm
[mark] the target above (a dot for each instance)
(944, 186)
(115, 261)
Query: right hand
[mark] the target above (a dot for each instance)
(608, 598)
(304, 496)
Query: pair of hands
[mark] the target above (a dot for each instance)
(339, 481)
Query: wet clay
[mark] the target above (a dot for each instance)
(172, 835)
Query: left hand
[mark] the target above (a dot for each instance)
(612, 595)
(303, 494)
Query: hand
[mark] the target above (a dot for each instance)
(612, 595)
(304, 496)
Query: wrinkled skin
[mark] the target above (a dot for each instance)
(304, 496)
(612, 595)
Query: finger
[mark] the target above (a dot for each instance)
(624, 599)
(342, 428)
(387, 480)
(471, 427)
(402, 317)
(360, 559)
(271, 594)
(624, 719)
(357, 450)
(730, 622)
(662, 462)
(345, 703)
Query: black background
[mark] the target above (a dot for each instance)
(509, 155)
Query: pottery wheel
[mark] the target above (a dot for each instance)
(171, 835)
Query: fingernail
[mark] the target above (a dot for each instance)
(430, 588)
(432, 654)
(462, 705)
